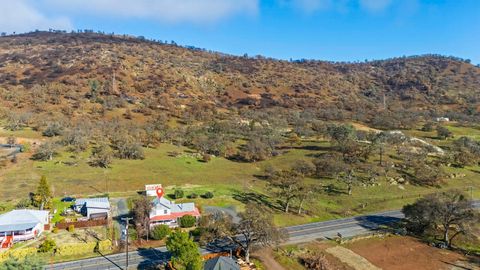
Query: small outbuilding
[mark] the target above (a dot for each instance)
(93, 208)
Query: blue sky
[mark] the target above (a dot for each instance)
(316, 29)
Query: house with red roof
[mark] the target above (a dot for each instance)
(168, 212)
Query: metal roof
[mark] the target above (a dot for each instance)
(162, 203)
(101, 202)
(18, 220)
(221, 263)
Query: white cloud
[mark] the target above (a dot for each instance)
(22, 16)
(375, 5)
(171, 11)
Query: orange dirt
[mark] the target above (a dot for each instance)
(405, 253)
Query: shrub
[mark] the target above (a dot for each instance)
(23, 203)
(47, 246)
(159, 232)
(193, 196)
(206, 158)
(179, 194)
(71, 228)
(55, 230)
(187, 221)
(83, 248)
(208, 195)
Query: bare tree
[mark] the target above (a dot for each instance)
(285, 185)
(46, 151)
(141, 216)
(255, 228)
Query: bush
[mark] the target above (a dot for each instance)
(47, 246)
(193, 196)
(159, 232)
(23, 203)
(55, 230)
(71, 228)
(179, 194)
(187, 221)
(206, 158)
(84, 248)
(208, 195)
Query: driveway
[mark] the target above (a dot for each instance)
(119, 210)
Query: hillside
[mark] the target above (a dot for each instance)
(72, 73)
(109, 114)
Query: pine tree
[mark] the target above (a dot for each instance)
(43, 196)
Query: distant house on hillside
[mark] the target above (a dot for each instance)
(167, 212)
(22, 225)
(442, 119)
(93, 208)
(221, 263)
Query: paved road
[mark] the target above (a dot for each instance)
(348, 227)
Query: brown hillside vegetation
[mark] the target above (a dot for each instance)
(86, 74)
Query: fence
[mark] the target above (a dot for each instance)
(82, 224)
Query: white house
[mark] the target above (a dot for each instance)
(442, 119)
(22, 225)
(93, 207)
(167, 212)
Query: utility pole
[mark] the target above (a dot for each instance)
(126, 219)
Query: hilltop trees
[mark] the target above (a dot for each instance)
(449, 213)
(53, 129)
(102, 156)
(256, 150)
(46, 151)
(443, 132)
(466, 152)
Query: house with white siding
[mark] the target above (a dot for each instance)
(22, 225)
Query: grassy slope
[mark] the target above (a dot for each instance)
(224, 177)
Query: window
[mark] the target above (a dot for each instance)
(165, 212)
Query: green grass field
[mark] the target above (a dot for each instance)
(233, 183)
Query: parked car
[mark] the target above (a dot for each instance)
(68, 199)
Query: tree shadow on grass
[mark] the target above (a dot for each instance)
(246, 197)
(475, 171)
(333, 190)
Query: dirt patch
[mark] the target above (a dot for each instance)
(351, 258)
(267, 258)
(359, 126)
(395, 253)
